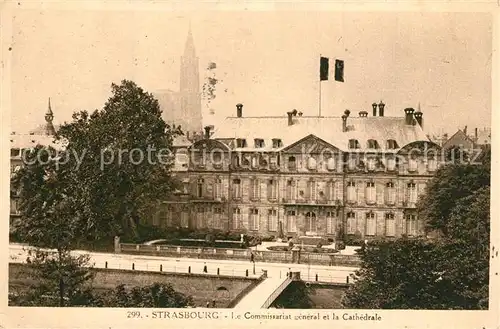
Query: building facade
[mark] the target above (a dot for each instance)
(295, 175)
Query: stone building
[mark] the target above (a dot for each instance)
(295, 175)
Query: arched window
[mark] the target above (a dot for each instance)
(330, 164)
(311, 221)
(199, 190)
(373, 144)
(392, 144)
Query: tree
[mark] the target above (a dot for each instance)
(296, 295)
(121, 157)
(151, 296)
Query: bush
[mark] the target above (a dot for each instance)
(290, 243)
(268, 238)
(340, 245)
(319, 245)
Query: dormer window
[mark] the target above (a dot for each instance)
(373, 144)
(277, 143)
(259, 143)
(392, 144)
(241, 142)
(354, 144)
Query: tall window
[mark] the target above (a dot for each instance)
(200, 218)
(292, 163)
(199, 187)
(391, 164)
(351, 192)
(412, 164)
(431, 164)
(291, 221)
(236, 218)
(236, 188)
(272, 189)
(217, 159)
(351, 223)
(330, 164)
(370, 224)
(254, 189)
(371, 195)
(311, 190)
(272, 220)
(411, 225)
(330, 190)
(352, 163)
(217, 218)
(217, 188)
(330, 222)
(412, 193)
(390, 193)
(311, 221)
(371, 164)
(290, 190)
(184, 219)
(254, 219)
(390, 224)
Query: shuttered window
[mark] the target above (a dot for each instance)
(272, 187)
(291, 221)
(331, 222)
(370, 224)
(351, 192)
(200, 218)
(236, 188)
(390, 224)
(184, 219)
(236, 218)
(390, 193)
(272, 220)
(371, 195)
(412, 193)
(217, 189)
(254, 189)
(351, 223)
(217, 218)
(411, 225)
(254, 219)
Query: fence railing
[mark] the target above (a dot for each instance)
(276, 293)
(241, 254)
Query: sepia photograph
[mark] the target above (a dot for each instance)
(239, 165)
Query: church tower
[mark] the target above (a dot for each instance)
(190, 96)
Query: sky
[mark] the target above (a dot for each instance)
(269, 61)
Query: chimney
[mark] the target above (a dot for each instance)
(290, 118)
(374, 105)
(475, 134)
(465, 130)
(409, 115)
(300, 114)
(418, 117)
(381, 107)
(207, 132)
(239, 110)
(363, 114)
(344, 123)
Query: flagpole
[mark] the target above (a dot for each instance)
(319, 100)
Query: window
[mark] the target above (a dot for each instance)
(271, 189)
(199, 189)
(259, 143)
(217, 159)
(236, 161)
(351, 223)
(291, 221)
(370, 224)
(311, 222)
(411, 225)
(272, 220)
(311, 190)
(236, 188)
(254, 219)
(351, 192)
(390, 224)
(200, 218)
(371, 196)
(392, 144)
(412, 164)
(373, 144)
(391, 164)
(14, 152)
(390, 193)
(292, 163)
(277, 143)
(255, 161)
(311, 163)
(352, 163)
(236, 218)
(184, 219)
(330, 190)
(217, 219)
(371, 164)
(240, 142)
(330, 164)
(354, 144)
(290, 190)
(431, 164)
(412, 193)
(330, 222)
(254, 189)
(217, 188)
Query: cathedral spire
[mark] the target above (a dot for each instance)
(49, 115)
(189, 50)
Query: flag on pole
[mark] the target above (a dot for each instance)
(324, 66)
(339, 70)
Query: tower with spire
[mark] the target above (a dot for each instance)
(189, 93)
(48, 128)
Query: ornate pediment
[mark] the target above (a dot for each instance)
(311, 145)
